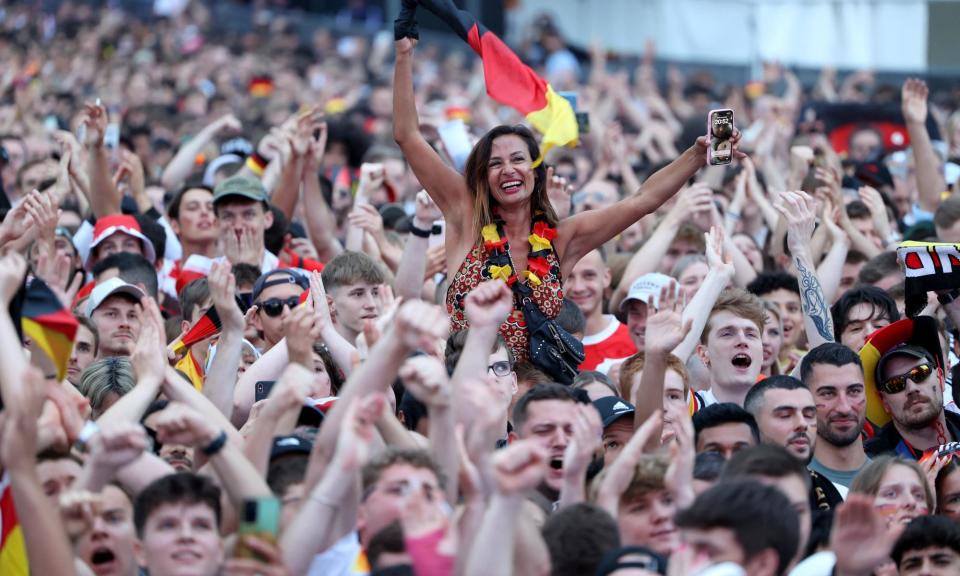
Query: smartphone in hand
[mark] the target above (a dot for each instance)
(261, 518)
(262, 389)
(720, 132)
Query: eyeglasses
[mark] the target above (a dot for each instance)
(273, 307)
(896, 384)
(500, 368)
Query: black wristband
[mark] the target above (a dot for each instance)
(216, 445)
(420, 232)
(425, 233)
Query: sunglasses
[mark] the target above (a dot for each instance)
(500, 368)
(273, 307)
(896, 384)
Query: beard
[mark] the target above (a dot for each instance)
(919, 420)
(840, 439)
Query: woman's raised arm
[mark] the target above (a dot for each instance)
(444, 184)
(588, 230)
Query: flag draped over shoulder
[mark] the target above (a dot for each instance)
(920, 331)
(510, 81)
(47, 322)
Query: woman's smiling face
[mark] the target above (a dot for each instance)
(510, 172)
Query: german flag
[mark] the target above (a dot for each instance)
(920, 331)
(13, 551)
(47, 322)
(510, 81)
(260, 86)
(207, 326)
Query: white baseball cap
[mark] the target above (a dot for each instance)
(645, 287)
(108, 288)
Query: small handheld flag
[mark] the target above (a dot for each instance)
(207, 326)
(45, 320)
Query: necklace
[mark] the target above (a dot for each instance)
(499, 263)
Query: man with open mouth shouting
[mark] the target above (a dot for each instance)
(731, 346)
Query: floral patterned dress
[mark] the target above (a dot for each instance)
(548, 296)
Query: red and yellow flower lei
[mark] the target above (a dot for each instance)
(499, 264)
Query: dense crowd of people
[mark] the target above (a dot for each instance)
(332, 311)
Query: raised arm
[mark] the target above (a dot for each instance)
(181, 424)
(832, 189)
(617, 478)
(797, 208)
(665, 330)
(516, 470)
(314, 528)
(371, 178)
(930, 181)
(584, 443)
(426, 378)
(693, 200)
(697, 310)
(417, 326)
(104, 196)
(12, 269)
(413, 262)
(278, 415)
(830, 270)
(182, 164)
(220, 381)
(319, 219)
(47, 546)
(485, 307)
(444, 184)
(117, 452)
(303, 146)
(589, 230)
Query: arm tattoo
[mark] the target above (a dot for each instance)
(811, 297)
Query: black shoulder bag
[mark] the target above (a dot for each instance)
(552, 349)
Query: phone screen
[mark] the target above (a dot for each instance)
(720, 126)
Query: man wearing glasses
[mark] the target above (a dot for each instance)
(274, 295)
(910, 383)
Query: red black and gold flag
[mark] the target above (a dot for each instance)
(510, 81)
(47, 322)
(207, 326)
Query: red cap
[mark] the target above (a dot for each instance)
(110, 225)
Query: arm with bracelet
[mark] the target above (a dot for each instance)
(413, 263)
(181, 424)
(314, 529)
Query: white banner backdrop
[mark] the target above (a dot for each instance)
(876, 34)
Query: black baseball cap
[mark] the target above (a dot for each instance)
(277, 277)
(612, 408)
(292, 444)
(918, 352)
(631, 557)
